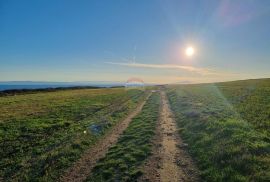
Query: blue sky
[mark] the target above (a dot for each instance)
(118, 39)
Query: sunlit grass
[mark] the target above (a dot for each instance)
(123, 159)
(44, 132)
(224, 135)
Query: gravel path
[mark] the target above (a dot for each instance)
(170, 162)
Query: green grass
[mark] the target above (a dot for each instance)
(133, 147)
(250, 99)
(41, 134)
(227, 128)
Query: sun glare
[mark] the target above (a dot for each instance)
(189, 51)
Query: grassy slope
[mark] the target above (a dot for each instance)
(227, 128)
(250, 99)
(41, 134)
(122, 161)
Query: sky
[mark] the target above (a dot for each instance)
(115, 40)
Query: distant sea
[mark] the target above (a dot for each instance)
(11, 87)
(40, 85)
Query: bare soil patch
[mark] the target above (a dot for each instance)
(170, 162)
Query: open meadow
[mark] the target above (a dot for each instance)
(197, 132)
(41, 134)
(226, 126)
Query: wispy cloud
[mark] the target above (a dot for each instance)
(198, 70)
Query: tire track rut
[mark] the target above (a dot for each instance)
(83, 167)
(170, 162)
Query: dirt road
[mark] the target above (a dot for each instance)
(170, 162)
(82, 168)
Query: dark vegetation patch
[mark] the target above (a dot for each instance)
(133, 147)
(42, 134)
(11, 92)
(228, 133)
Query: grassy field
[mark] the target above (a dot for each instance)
(41, 134)
(133, 147)
(226, 126)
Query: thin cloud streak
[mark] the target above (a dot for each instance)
(200, 71)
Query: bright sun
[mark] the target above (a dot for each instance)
(189, 51)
